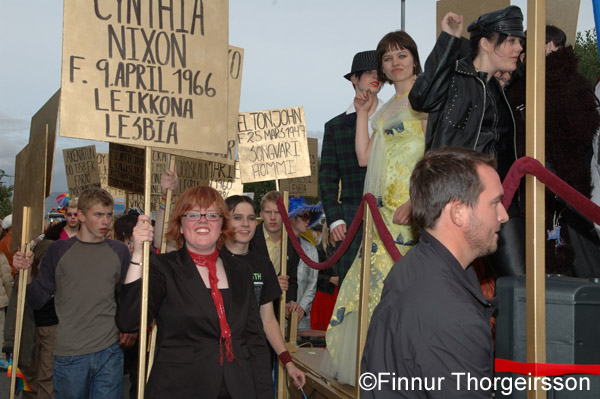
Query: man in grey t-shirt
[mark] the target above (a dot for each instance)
(83, 273)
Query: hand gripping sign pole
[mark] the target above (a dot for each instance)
(163, 249)
(23, 277)
(145, 278)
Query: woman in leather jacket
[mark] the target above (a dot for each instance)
(467, 106)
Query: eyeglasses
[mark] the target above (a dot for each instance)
(195, 216)
(71, 214)
(305, 217)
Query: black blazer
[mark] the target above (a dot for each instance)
(259, 244)
(187, 357)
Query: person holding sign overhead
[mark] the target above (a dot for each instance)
(210, 341)
(391, 153)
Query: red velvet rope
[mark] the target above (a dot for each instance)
(558, 186)
(544, 369)
(384, 234)
(511, 183)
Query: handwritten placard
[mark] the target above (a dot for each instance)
(30, 189)
(126, 168)
(272, 145)
(81, 168)
(195, 172)
(151, 73)
(229, 186)
(46, 118)
(234, 88)
(226, 158)
(102, 158)
(306, 186)
(137, 201)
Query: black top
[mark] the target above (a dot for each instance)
(266, 285)
(188, 346)
(259, 245)
(432, 322)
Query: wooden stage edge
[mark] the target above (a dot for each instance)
(318, 385)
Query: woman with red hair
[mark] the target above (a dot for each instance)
(210, 341)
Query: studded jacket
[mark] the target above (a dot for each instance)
(457, 98)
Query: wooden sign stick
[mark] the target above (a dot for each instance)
(142, 336)
(281, 382)
(163, 249)
(163, 242)
(23, 277)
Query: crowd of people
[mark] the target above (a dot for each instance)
(433, 155)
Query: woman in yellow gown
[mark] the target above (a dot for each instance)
(397, 143)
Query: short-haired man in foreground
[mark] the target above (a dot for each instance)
(430, 332)
(83, 273)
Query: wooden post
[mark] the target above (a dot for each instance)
(365, 285)
(142, 336)
(23, 277)
(535, 237)
(163, 242)
(281, 376)
(163, 249)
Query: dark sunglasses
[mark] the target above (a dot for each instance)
(305, 217)
(71, 214)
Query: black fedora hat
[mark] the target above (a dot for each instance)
(363, 61)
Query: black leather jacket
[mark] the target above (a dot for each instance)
(454, 95)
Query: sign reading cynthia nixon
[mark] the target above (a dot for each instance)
(272, 145)
(149, 73)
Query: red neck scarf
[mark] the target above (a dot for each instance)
(210, 262)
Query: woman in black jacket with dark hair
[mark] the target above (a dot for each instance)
(467, 106)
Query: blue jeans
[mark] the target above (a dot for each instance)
(95, 375)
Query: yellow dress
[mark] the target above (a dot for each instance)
(399, 142)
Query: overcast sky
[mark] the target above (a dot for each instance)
(296, 52)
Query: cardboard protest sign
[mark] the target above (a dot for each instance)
(196, 172)
(469, 9)
(102, 158)
(226, 158)
(160, 162)
(229, 186)
(137, 201)
(564, 15)
(234, 88)
(146, 73)
(126, 168)
(305, 186)
(46, 116)
(126, 173)
(30, 190)
(272, 145)
(81, 168)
